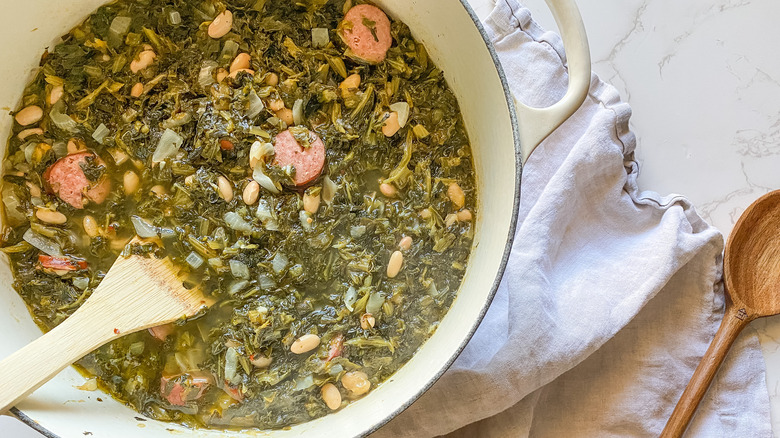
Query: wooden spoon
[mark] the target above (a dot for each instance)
(136, 293)
(751, 276)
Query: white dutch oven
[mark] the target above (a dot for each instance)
(501, 141)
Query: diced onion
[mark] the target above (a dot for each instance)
(61, 120)
(42, 243)
(305, 219)
(236, 222)
(237, 286)
(350, 298)
(374, 304)
(167, 147)
(174, 18)
(230, 49)
(402, 109)
(279, 262)
(265, 282)
(60, 149)
(432, 291)
(319, 37)
(329, 189)
(81, 283)
(143, 228)
(231, 365)
(255, 105)
(264, 180)
(119, 27)
(306, 382)
(297, 111)
(177, 120)
(239, 269)
(357, 231)
(29, 149)
(194, 260)
(206, 76)
(335, 370)
(100, 133)
(263, 211)
(136, 348)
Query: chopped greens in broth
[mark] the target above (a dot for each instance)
(304, 161)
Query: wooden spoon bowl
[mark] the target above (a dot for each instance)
(137, 293)
(751, 276)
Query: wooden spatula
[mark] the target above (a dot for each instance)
(136, 293)
(751, 276)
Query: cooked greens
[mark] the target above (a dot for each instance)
(160, 121)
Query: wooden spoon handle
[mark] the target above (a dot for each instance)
(733, 323)
(30, 367)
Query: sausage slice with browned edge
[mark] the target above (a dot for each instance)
(366, 30)
(66, 179)
(308, 162)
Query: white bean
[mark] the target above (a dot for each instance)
(388, 190)
(251, 193)
(272, 79)
(260, 361)
(356, 382)
(311, 203)
(221, 25)
(159, 190)
(75, 145)
(35, 191)
(450, 219)
(406, 243)
(225, 188)
(137, 90)
(56, 94)
(240, 62)
(391, 125)
(50, 216)
(221, 74)
(367, 321)
(145, 59)
(331, 396)
(235, 73)
(464, 215)
(395, 263)
(456, 195)
(305, 343)
(28, 132)
(131, 182)
(29, 115)
(90, 226)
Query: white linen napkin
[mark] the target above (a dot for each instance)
(611, 295)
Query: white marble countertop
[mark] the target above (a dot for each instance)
(703, 80)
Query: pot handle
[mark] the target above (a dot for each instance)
(537, 123)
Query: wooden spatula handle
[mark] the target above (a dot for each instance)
(734, 321)
(27, 369)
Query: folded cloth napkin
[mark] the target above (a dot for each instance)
(611, 295)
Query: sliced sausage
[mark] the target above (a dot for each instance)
(366, 30)
(308, 162)
(66, 179)
(162, 332)
(183, 388)
(61, 263)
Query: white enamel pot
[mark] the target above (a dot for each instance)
(503, 133)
